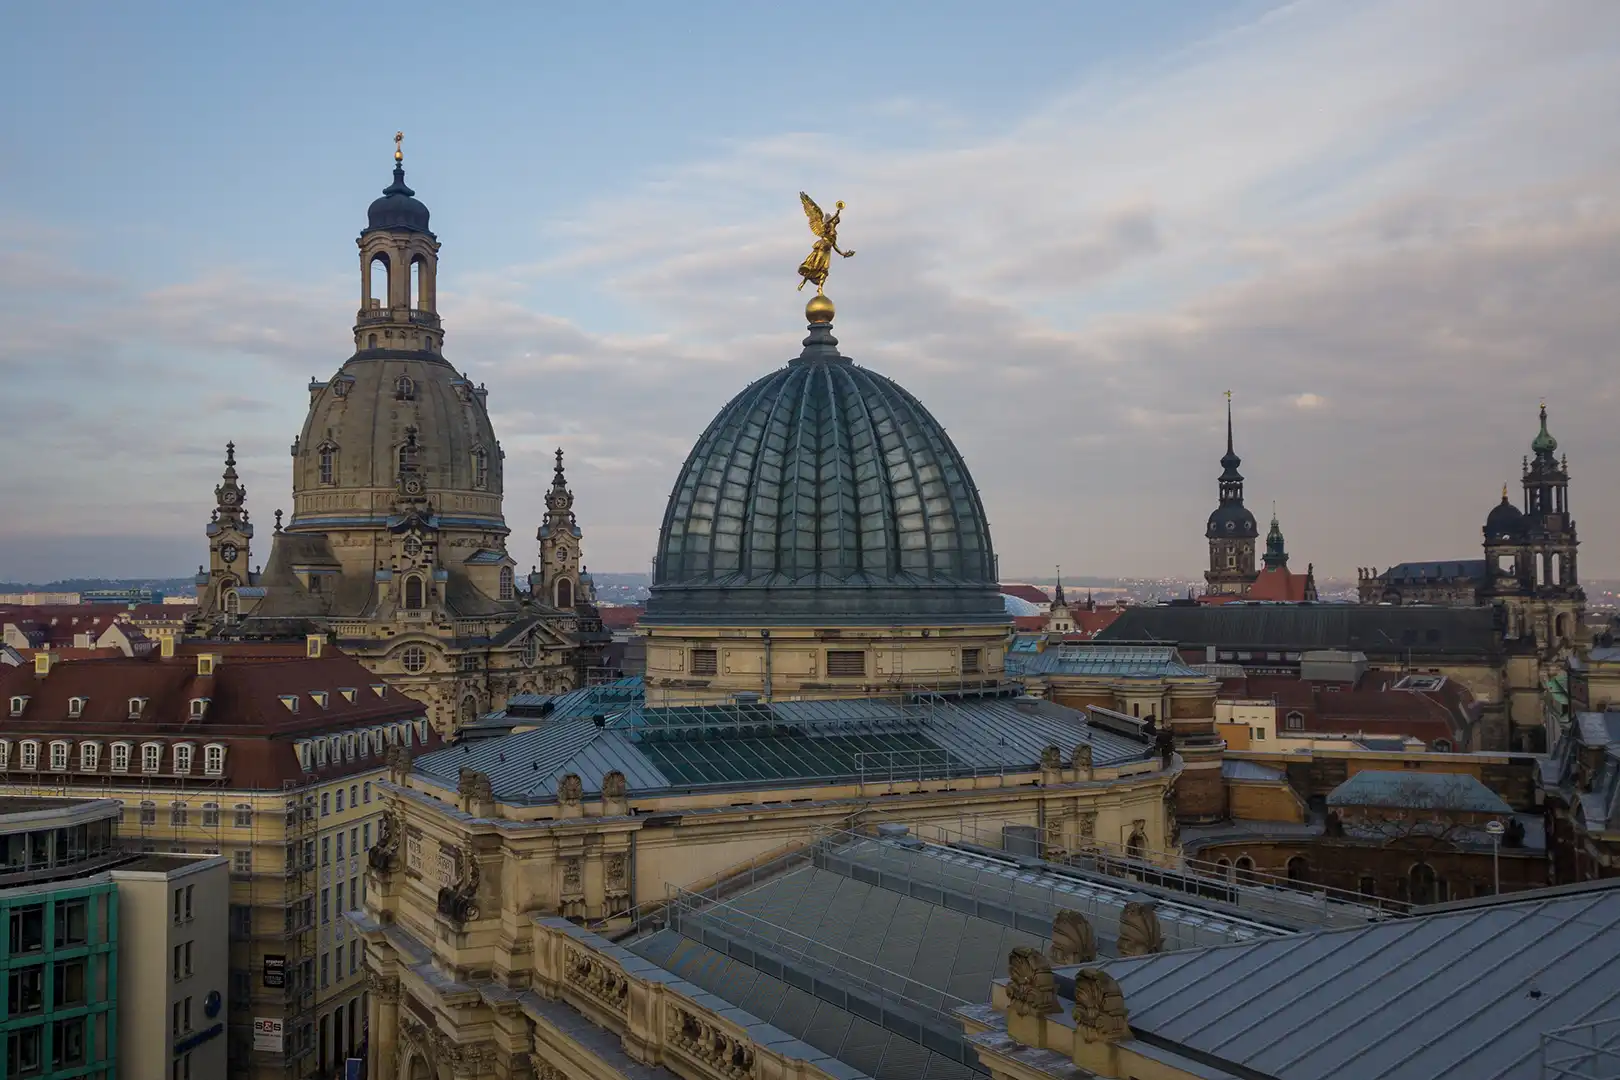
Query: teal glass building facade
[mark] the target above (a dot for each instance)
(60, 957)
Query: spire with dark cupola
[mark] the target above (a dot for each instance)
(1231, 530)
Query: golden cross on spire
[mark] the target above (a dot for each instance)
(399, 154)
(1229, 395)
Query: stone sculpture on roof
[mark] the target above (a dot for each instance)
(1031, 990)
(1139, 930)
(1073, 939)
(1099, 1007)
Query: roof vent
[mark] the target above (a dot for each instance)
(289, 700)
(347, 692)
(166, 646)
(1026, 703)
(890, 830)
(44, 660)
(319, 697)
(379, 689)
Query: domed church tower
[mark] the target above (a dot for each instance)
(823, 539)
(1231, 530)
(396, 546)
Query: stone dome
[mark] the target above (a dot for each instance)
(824, 493)
(398, 209)
(1505, 521)
(359, 421)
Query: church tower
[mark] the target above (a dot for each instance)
(558, 582)
(1231, 530)
(230, 539)
(1530, 554)
(1276, 556)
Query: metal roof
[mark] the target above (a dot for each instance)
(1110, 661)
(1418, 790)
(1236, 769)
(1465, 994)
(744, 744)
(1372, 629)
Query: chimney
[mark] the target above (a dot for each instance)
(44, 660)
(166, 646)
(312, 646)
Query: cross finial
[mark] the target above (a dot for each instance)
(559, 459)
(399, 154)
(1229, 395)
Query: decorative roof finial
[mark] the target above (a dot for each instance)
(399, 154)
(278, 521)
(816, 264)
(230, 453)
(1229, 421)
(1504, 491)
(559, 461)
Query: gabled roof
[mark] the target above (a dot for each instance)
(1372, 629)
(1418, 573)
(1456, 994)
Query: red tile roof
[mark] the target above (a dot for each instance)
(1278, 583)
(245, 710)
(1370, 706)
(620, 617)
(1029, 624)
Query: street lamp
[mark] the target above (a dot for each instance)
(1496, 829)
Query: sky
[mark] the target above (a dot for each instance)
(1389, 227)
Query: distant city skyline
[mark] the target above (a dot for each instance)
(1389, 228)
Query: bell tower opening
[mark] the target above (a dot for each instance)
(378, 286)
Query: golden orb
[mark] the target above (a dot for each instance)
(819, 309)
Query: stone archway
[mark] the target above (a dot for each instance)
(418, 1069)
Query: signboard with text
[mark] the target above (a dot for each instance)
(267, 1032)
(275, 970)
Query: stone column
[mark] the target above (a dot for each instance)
(384, 1023)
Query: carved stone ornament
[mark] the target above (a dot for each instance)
(1081, 757)
(616, 864)
(708, 1043)
(570, 789)
(573, 872)
(1139, 931)
(475, 785)
(385, 988)
(1088, 825)
(1172, 827)
(614, 785)
(458, 901)
(1051, 758)
(398, 759)
(1099, 1007)
(596, 980)
(1053, 842)
(1031, 990)
(384, 854)
(1073, 939)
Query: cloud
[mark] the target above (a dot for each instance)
(1405, 206)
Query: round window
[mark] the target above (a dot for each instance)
(413, 547)
(413, 659)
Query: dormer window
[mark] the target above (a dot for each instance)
(18, 704)
(290, 701)
(336, 743)
(136, 706)
(320, 753)
(59, 755)
(213, 759)
(319, 697)
(301, 748)
(120, 757)
(89, 756)
(348, 747)
(348, 693)
(76, 707)
(379, 689)
(151, 757)
(421, 731)
(182, 757)
(199, 707)
(29, 757)
(205, 664)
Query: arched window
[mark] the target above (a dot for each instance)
(565, 593)
(531, 650)
(508, 589)
(1245, 870)
(405, 390)
(365, 790)
(469, 711)
(1423, 884)
(416, 282)
(1295, 721)
(1136, 847)
(413, 659)
(177, 813)
(328, 464)
(480, 466)
(1299, 871)
(413, 592)
(371, 341)
(377, 282)
(30, 754)
(1561, 626)
(1223, 867)
(233, 603)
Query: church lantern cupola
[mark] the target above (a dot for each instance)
(399, 264)
(559, 577)
(1276, 557)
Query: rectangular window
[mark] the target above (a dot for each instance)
(23, 1048)
(210, 818)
(27, 929)
(354, 898)
(69, 981)
(326, 851)
(326, 972)
(120, 757)
(25, 991)
(30, 755)
(365, 792)
(89, 756)
(340, 847)
(354, 841)
(326, 906)
(846, 663)
(148, 813)
(326, 804)
(67, 1042)
(244, 816)
(177, 814)
(176, 906)
(337, 961)
(339, 807)
(970, 661)
(72, 923)
(59, 756)
(179, 972)
(242, 861)
(366, 833)
(151, 757)
(354, 950)
(705, 662)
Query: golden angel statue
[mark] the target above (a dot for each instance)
(818, 262)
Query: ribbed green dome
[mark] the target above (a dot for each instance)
(824, 492)
(1544, 443)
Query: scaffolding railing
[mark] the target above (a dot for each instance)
(1589, 1051)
